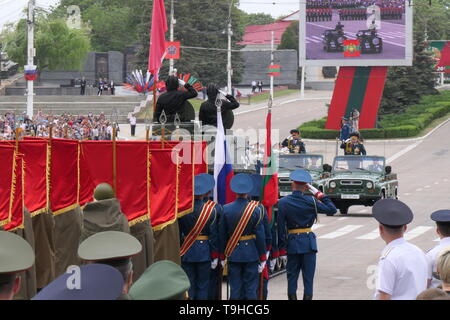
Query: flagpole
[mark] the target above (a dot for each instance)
(271, 63)
(114, 160)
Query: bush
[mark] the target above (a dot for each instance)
(372, 133)
(401, 131)
(318, 133)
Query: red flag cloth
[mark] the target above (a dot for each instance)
(35, 166)
(133, 179)
(270, 176)
(8, 162)
(18, 199)
(200, 157)
(163, 188)
(87, 185)
(157, 37)
(173, 50)
(64, 177)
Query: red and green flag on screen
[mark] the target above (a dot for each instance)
(269, 196)
(274, 70)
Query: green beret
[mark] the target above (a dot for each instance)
(109, 245)
(15, 253)
(103, 191)
(163, 280)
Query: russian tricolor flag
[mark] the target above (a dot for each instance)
(223, 170)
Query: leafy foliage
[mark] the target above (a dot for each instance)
(57, 46)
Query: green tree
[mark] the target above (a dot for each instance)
(289, 39)
(57, 46)
(406, 85)
(250, 19)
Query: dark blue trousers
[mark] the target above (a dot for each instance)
(243, 278)
(214, 276)
(306, 263)
(198, 274)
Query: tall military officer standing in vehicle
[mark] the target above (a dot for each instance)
(199, 235)
(242, 240)
(296, 215)
(294, 142)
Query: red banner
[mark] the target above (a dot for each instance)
(133, 180)
(163, 188)
(18, 198)
(173, 50)
(64, 177)
(35, 164)
(7, 160)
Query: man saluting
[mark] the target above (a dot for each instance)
(296, 215)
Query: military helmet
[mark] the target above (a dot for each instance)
(103, 191)
(212, 90)
(172, 83)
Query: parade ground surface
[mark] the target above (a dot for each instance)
(349, 246)
(392, 33)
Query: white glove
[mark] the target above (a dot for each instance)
(181, 82)
(222, 262)
(283, 259)
(272, 264)
(313, 189)
(261, 266)
(267, 255)
(214, 263)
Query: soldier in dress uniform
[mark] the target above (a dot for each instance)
(163, 280)
(294, 142)
(115, 249)
(442, 219)
(402, 268)
(16, 256)
(296, 215)
(199, 238)
(353, 146)
(89, 282)
(264, 277)
(242, 240)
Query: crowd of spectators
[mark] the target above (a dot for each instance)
(67, 126)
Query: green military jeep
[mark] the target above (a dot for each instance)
(287, 163)
(359, 180)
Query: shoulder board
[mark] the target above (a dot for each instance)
(387, 253)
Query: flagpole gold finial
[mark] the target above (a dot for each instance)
(218, 103)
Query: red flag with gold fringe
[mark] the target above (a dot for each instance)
(18, 197)
(7, 174)
(133, 179)
(163, 188)
(64, 176)
(35, 167)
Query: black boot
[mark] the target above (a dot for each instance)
(292, 296)
(306, 297)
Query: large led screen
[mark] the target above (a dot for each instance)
(355, 33)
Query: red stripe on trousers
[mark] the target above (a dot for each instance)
(372, 98)
(341, 94)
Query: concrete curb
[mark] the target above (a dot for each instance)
(390, 140)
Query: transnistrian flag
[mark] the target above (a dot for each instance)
(223, 170)
(274, 70)
(352, 48)
(157, 37)
(269, 195)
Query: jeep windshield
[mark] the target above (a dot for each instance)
(359, 164)
(294, 162)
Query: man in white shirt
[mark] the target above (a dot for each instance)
(133, 125)
(402, 268)
(442, 219)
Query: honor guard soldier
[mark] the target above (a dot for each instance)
(294, 143)
(16, 255)
(296, 215)
(115, 249)
(264, 277)
(402, 268)
(442, 219)
(89, 282)
(163, 280)
(242, 240)
(199, 238)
